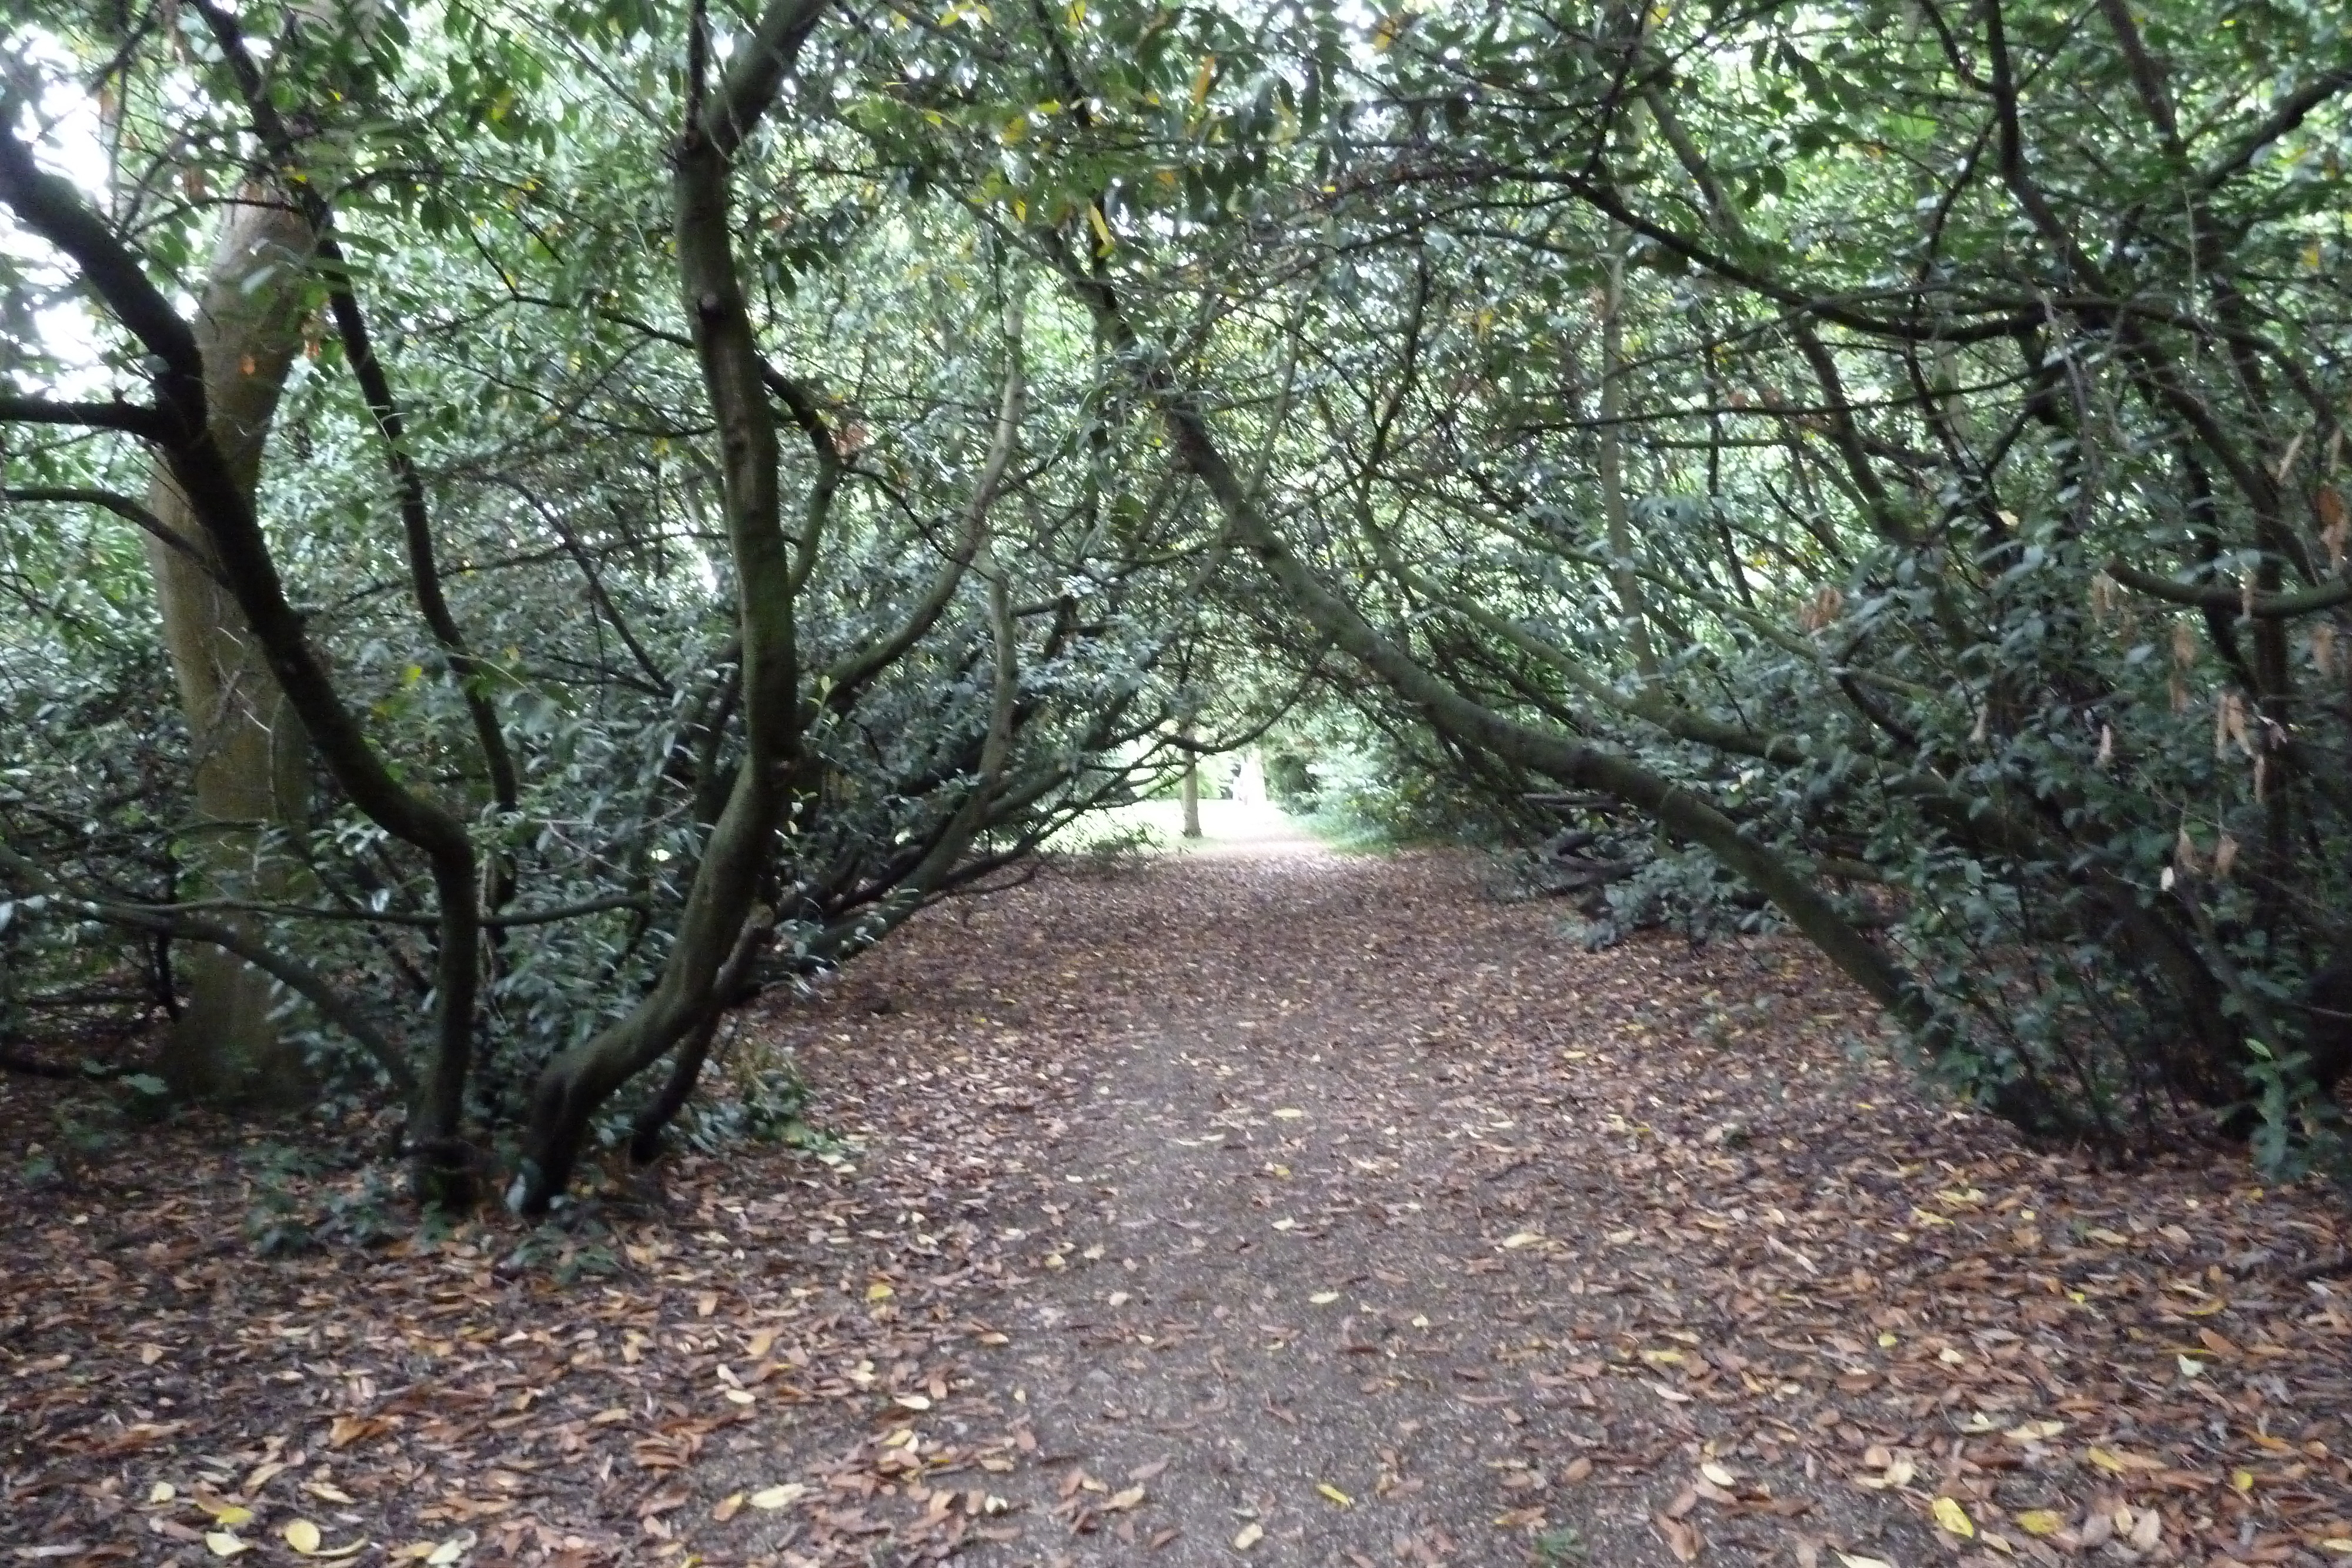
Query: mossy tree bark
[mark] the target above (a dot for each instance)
(740, 844)
(247, 757)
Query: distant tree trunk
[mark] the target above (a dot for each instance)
(1189, 792)
(247, 751)
(1632, 614)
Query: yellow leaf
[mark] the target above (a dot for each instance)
(1334, 1494)
(2115, 1461)
(1953, 1518)
(1717, 1474)
(1102, 232)
(2243, 1480)
(878, 1292)
(448, 1551)
(221, 1544)
(1249, 1536)
(227, 1515)
(162, 1491)
(2040, 1521)
(302, 1536)
(1202, 77)
(783, 1496)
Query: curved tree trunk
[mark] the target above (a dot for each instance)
(247, 754)
(740, 844)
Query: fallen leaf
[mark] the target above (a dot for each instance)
(1681, 1539)
(2040, 1521)
(1334, 1494)
(1953, 1519)
(782, 1496)
(1249, 1535)
(1324, 1298)
(221, 1544)
(1717, 1474)
(302, 1536)
(2117, 1462)
(728, 1507)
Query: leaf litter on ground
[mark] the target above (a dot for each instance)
(1305, 1206)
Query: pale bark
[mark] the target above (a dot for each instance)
(1189, 791)
(180, 427)
(1632, 614)
(248, 760)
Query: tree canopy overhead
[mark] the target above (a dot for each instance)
(642, 497)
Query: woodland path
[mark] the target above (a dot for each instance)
(1260, 1205)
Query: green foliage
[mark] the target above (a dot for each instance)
(759, 1104)
(1561, 1547)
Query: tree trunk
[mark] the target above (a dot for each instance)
(1632, 615)
(740, 847)
(1189, 791)
(247, 754)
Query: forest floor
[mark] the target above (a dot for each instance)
(1265, 1205)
